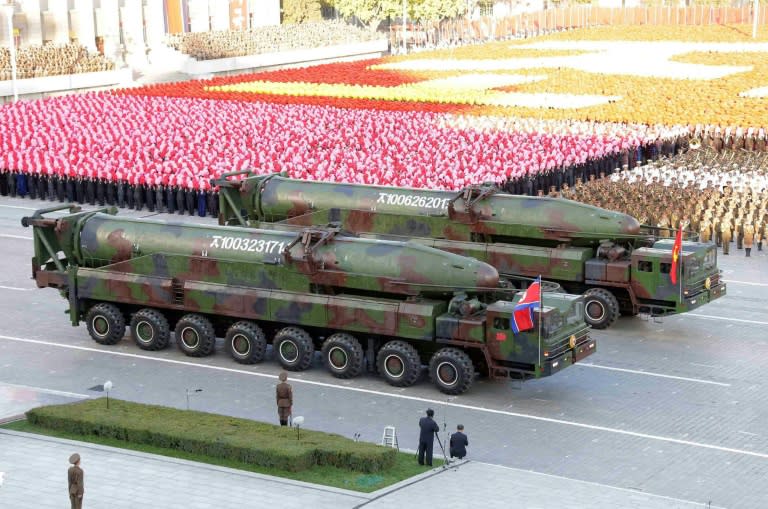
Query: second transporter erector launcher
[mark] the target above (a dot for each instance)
(602, 254)
(396, 305)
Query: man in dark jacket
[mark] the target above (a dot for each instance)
(428, 428)
(459, 443)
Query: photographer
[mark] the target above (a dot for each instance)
(428, 428)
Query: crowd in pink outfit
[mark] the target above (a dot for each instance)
(185, 142)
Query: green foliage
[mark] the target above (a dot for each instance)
(372, 12)
(434, 10)
(213, 435)
(301, 11)
(369, 12)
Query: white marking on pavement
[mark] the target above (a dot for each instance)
(748, 433)
(16, 288)
(725, 319)
(601, 485)
(641, 372)
(745, 283)
(18, 207)
(549, 420)
(47, 391)
(8, 236)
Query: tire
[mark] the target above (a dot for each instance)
(246, 342)
(451, 370)
(294, 348)
(399, 363)
(195, 335)
(150, 329)
(601, 308)
(343, 355)
(105, 323)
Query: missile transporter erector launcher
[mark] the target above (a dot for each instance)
(364, 303)
(601, 254)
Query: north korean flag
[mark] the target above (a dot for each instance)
(522, 315)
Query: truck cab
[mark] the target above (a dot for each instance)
(699, 279)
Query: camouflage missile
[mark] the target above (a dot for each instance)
(322, 255)
(479, 210)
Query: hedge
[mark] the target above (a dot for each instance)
(213, 435)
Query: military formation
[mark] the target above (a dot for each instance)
(719, 196)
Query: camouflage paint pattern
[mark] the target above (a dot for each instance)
(473, 212)
(520, 236)
(314, 278)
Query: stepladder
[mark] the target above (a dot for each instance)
(389, 437)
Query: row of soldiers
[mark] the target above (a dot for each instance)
(730, 138)
(733, 211)
(100, 191)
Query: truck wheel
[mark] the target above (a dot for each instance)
(343, 355)
(601, 308)
(195, 335)
(294, 348)
(150, 330)
(399, 363)
(451, 370)
(246, 342)
(105, 323)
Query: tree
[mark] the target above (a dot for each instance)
(301, 11)
(369, 12)
(435, 10)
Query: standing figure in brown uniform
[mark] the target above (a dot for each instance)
(726, 226)
(749, 236)
(284, 394)
(76, 484)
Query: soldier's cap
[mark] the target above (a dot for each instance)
(283, 376)
(74, 459)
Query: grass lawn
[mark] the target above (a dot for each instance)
(405, 465)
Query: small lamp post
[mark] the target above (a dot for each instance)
(107, 388)
(190, 391)
(298, 421)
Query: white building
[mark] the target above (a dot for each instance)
(132, 26)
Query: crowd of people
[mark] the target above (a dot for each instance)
(52, 60)
(162, 152)
(184, 142)
(718, 196)
(235, 43)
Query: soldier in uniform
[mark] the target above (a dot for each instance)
(705, 230)
(75, 482)
(749, 236)
(726, 225)
(284, 396)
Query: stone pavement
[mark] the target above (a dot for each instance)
(35, 469)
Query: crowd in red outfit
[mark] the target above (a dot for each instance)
(161, 142)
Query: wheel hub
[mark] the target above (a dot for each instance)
(394, 366)
(338, 358)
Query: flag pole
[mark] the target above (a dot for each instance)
(679, 267)
(541, 313)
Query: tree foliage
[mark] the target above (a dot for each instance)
(301, 11)
(373, 12)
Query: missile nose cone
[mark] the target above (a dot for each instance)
(487, 276)
(629, 225)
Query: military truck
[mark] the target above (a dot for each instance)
(601, 254)
(364, 303)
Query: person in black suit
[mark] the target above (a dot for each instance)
(459, 443)
(428, 428)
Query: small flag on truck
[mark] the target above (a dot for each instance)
(522, 316)
(678, 245)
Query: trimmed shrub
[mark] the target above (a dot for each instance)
(213, 435)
